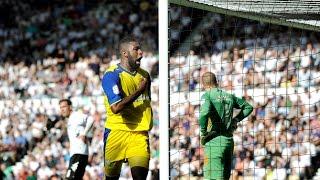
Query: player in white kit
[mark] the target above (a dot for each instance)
(79, 126)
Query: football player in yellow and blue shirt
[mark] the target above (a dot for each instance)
(129, 113)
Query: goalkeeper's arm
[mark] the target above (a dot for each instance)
(204, 117)
(245, 107)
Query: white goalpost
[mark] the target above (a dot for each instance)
(163, 89)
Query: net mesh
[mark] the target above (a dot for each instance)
(275, 68)
(296, 13)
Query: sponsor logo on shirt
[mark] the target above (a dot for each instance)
(222, 98)
(143, 97)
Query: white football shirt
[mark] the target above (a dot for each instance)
(78, 124)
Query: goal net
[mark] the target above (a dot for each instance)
(266, 52)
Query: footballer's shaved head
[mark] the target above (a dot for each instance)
(124, 43)
(209, 79)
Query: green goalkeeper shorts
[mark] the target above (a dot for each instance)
(218, 158)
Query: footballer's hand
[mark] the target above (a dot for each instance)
(203, 140)
(143, 84)
(234, 126)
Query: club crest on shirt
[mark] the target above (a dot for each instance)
(115, 89)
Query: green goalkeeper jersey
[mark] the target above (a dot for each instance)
(216, 114)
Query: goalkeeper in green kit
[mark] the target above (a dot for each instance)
(217, 125)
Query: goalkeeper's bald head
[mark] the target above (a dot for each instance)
(209, 80)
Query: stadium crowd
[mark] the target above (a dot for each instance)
(59, 50)
(274, 68)
(31, 30)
